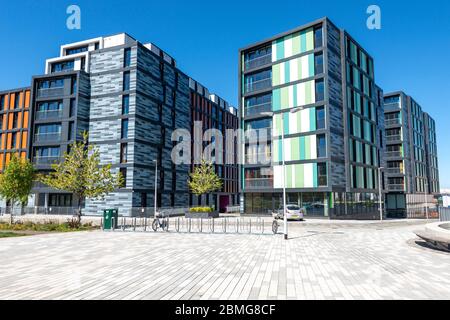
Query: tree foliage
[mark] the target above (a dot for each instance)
(16, 181)
(81, 173)
(204, 180)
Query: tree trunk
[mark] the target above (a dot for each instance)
(79, 210)
(11, 219)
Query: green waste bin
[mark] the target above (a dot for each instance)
(109, 216)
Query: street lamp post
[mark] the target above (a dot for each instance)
(284, 174)
(380, 193)
(156, 186)
(426, 199)
(284, 183)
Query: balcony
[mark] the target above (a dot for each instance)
(258, 158)
(50, 92)
(51, 114)
(394, 138)
(394, 154)
(258, 62)
(47, 137)
(258, 109)
(262, 183)
(395, 171)
(396, 187)
(392, 122)
(46, 160)
(258, 85)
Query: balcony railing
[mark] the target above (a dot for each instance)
(393, 154)
(396, 187)
(258, 108)
(258, 85)
(262, 183)
(51, 92)
(395, 171)
(47, 137)
(394, 138)
(392, 122)
(258, 158)
(46, 160)
(258, 62)
(51, 114)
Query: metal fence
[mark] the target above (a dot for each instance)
(444, 214)
(255, 226)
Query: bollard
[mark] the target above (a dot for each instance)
(201, 225)
(123, 223)
(237, 225)
(250, 226)
(145, 224)
(177, 225)
(189, 227)
(213, 225)
(112, 223)
(102, 225)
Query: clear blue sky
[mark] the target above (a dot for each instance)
(411, 51)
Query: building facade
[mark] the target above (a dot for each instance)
(411, 157)
(14, 118)
(315, 87)
(130, 97)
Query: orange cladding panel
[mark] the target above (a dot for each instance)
(12, 100)
(10, 121)
(27, 99)
(24, 139)
(25, 120)
(5, 107)
(8, 143)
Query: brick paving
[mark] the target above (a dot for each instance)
(320, 261)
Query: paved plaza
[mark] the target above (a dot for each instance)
(320, 261)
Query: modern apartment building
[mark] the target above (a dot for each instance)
(411, 156)
(130, 97)
(14, 116)
(314, 87)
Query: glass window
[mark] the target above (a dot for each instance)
(76, 50)
(320, 118)
(124, 131)
(16, 100)
(127, 57)
(123, 152)
(74, 85)
(71, 134)
(63, 66)
(322, 174)
(318, 37)
(318, 57)
(321, 146)
(2, 102)
(72, 107)
(126, 81)
(125, 104)
(320, 91)
(123, 172)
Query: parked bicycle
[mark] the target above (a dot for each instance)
(162, 223)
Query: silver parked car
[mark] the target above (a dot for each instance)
(293, 212)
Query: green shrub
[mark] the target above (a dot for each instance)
(50, 226)
(201, 209)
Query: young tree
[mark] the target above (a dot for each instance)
(204, 180)
(81, 174)
(16, 182)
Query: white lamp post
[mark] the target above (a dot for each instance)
(156, 185)
(380, 193)
(426, 199)
(284, 174)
